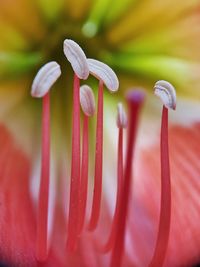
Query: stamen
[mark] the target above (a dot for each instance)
(88, 105)
(77, 58)
(103, 72)
(165, 205)
(135, 100)
(105, 75)
(121, 123)
(44, 79)
(75, 170)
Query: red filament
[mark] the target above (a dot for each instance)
(96, 204)
(135, 99)
(84, 174)
(111, 240)
(165, 207)
(42, 219)
(75, 170)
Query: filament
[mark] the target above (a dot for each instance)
(42, 219)
(165, 208)
(96, 204)
(75, 170)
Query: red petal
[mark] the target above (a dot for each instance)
(17, 223)
(185, 173)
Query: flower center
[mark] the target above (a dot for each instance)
(79, 162)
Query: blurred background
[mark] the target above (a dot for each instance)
(143, 40)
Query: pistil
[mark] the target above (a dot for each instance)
(166, 92)
(135, 100)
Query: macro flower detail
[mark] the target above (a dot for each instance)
(99, 175)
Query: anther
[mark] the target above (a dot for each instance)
(77, 58)
(87, 100)
(121, 116)
(103, 72)
(167, 93)
(88, 106)
(165, 202)
(45, 78)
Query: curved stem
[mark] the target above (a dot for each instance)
(165, 207)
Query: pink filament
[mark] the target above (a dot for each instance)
(98, 163)
(135, 99)
(84, 174)
(75, 170)
(42, 219)
(113, 233)
(165, 208)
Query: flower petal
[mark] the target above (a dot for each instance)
(17, 223)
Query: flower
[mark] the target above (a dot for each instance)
(143, 41)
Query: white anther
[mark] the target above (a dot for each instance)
(167, 93)
(45, 78)
(105, 73)
(87, 100)
(121, 116)
(77, 58)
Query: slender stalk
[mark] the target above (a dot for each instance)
(96, 204)
(42, 219)
(111, 240)
(75, 170)
(84, 174)
(135, 100)
(165, 205)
